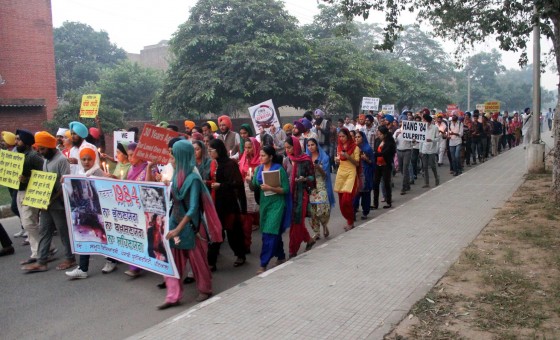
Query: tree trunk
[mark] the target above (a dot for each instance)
(556, 129)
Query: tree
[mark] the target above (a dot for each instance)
(235, 49)
(80, 54)
(130, 88)
(470, 21)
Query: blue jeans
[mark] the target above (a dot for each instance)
(455, 158)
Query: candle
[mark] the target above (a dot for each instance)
(229, 153)
(103, 167)
(250, 172)
(122, 174)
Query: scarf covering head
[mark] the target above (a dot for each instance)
(204, 166)
(92, 152)
(45, 140)
(197, 136)
(226, 120)
(246, 162)
(190, 124)
(247, 128)
(79, 129)
(220, 147)
(183, 177)
(26, 137)
(325, 163)
(348, 147)
(121, 146)
(296, 157)
(9, 138)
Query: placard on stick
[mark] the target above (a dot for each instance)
(152, 146)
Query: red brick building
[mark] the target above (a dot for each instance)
(27, 68)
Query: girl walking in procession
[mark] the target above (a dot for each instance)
(346, 184)
(302, 181)
(278, 207)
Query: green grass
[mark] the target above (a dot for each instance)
(5, 196)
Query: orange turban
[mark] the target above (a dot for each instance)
(226, 120)
(45, 140)
(68, 134)
(362, 116)
(88, 151)
(190, 124)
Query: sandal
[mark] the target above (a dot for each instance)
(28, 261)
(316, 236)
(261, 270)
(326, 232)
(239, 262)
(66, 265)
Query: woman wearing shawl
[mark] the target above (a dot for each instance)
(346, 184)
(139, 171)
(277, 207)
(366, 171)
(245, 132)
(322, 197)
(187, 234)
(203, 161)
(230, 200)
(302, 181)
(250, 159)
(385, 149)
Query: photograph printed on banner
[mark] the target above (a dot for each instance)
(85, 208)
(152, 199)
(155, 229)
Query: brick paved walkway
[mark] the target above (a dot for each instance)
(358, 284)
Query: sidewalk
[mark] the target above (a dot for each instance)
(360, 283)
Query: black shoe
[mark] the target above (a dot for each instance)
(213, 268)
(188, 280)
(388, 206)
(364, 217)
(7, 251)
(161, 285)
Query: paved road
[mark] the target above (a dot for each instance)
(113, 306)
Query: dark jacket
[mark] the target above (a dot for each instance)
(387, 151)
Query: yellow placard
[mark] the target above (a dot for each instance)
(90, 105)
(492, 107)
(11, 167)
(39, 189)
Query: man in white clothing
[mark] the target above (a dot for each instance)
(429, 150)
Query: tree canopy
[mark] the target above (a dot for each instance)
(80, 54)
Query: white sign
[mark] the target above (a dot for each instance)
(388, 109)
(413, 130)
(121, 136)
(370, 104)
(264, 116)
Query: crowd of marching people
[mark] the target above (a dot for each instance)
(223, 172)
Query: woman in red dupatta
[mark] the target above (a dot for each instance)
(249, 161)
(302, 180)
(346, 184)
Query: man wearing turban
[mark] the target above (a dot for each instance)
(189, 125)
(54, 217)
(79, 132)
(29, 216)
(230, 138)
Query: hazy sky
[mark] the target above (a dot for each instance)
(133, 24)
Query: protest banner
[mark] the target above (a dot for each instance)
(264, 116)
(388, 109)
(492, 106)
(39, 190)
(124, 220)
(370, 104)
(90, 105)
(11, 167)
(452, 109)
(152, 146)
(412, 130)
(122, 136)
(480, 108)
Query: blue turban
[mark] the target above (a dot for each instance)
(306, 123)
(79, 129)
(389, 118)
(319, 112)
